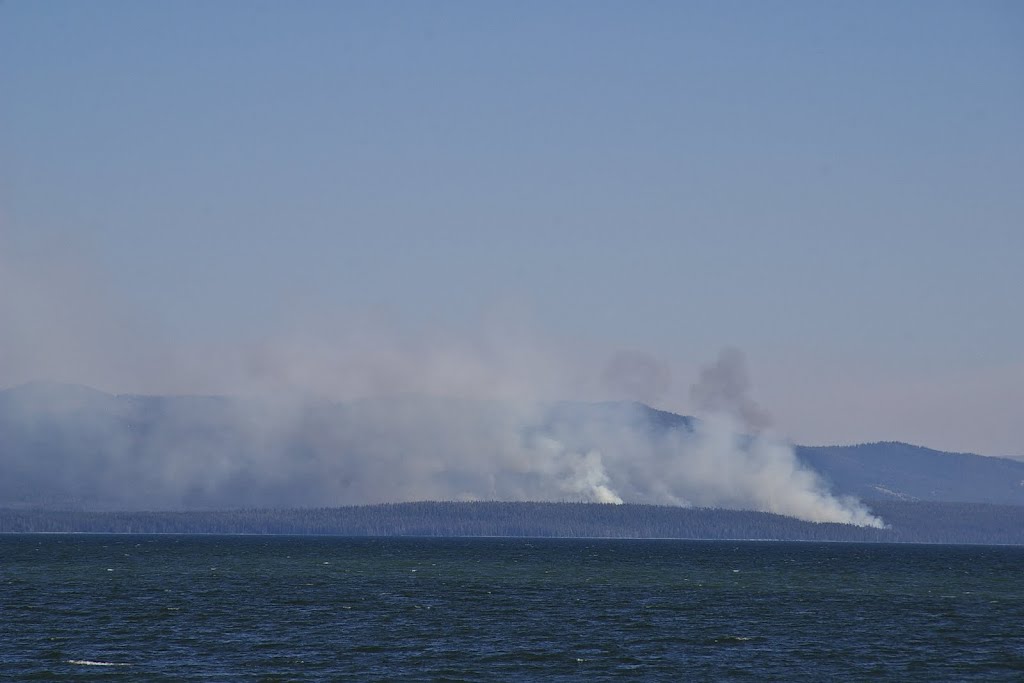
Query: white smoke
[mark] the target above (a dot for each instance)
(580, 475)
(133, 452)
(422, 415)
(737, 462)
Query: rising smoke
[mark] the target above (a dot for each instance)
(365, 415)
(748, 465)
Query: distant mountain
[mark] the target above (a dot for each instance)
(891, 470)
(74, 447)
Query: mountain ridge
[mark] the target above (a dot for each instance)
(60, 443)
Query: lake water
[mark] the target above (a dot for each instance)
(217, 608)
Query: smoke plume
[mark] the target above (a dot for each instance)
(363, 412)
(723, 389)
(741, 463)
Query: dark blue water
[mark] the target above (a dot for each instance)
(188, 608)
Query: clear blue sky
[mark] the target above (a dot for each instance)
(835, 188)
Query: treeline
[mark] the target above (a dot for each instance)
(908, 522)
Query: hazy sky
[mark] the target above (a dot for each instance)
(836, 189)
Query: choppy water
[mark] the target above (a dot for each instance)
(131, 608)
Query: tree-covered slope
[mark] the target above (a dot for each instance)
(907, 522)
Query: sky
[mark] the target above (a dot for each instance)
(522, 199)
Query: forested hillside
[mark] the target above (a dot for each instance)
(908, 522)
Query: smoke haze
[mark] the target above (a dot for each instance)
(364, 414)
(743, 463)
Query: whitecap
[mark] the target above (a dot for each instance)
(89, 662)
